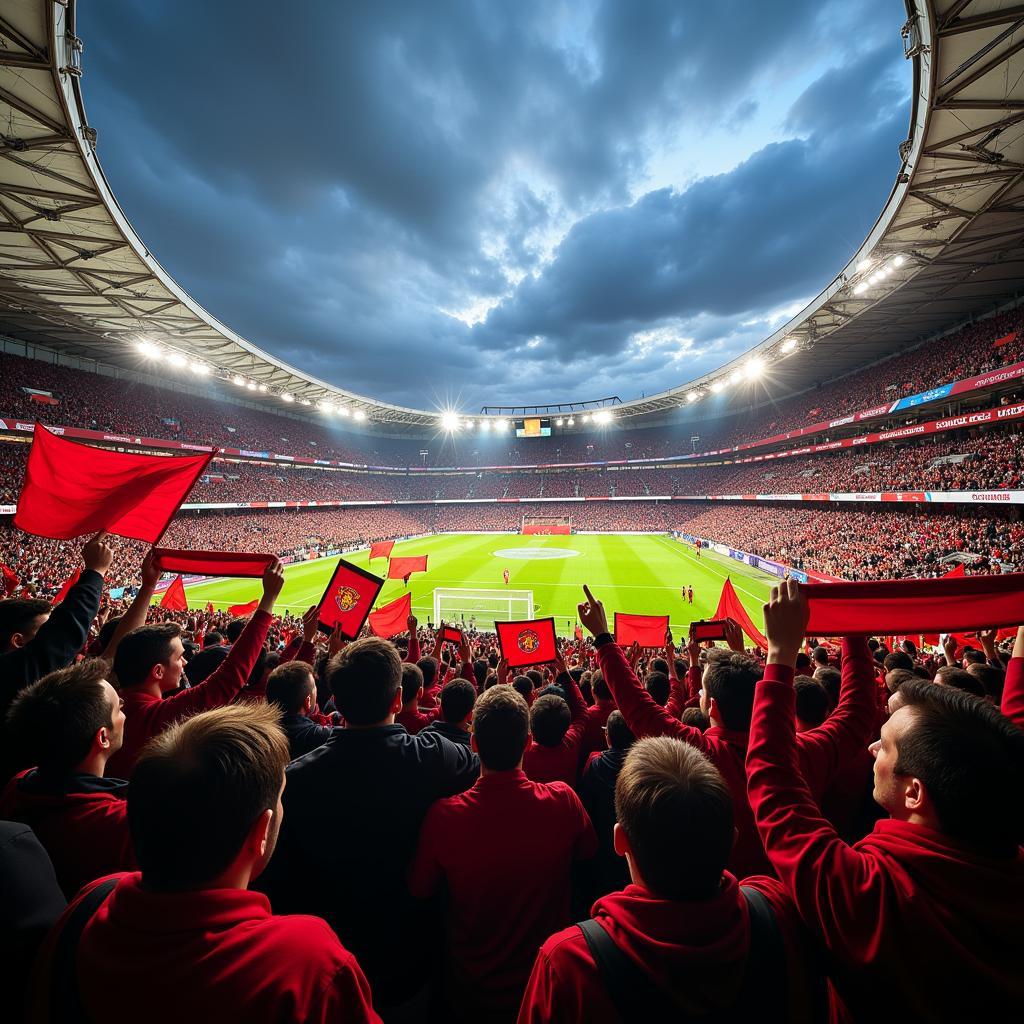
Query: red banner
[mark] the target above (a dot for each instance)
(348, 599)
(730, 607)
(646, 630)
(213, 563)
(381, 549)
(244, 609)
(391, 619)
(399, 568)
(68, 584)
(8, 580)
(530, 642)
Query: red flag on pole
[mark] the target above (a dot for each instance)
(646, 630)
(174, 596)
(212, 563)
(399, 568)
(381, 549)
(69, 583)
(390, 619)
(8, 580)
(244, 609)
(348, 599)
(960, 570)
(72, 489)
(730, 607)
(530, 642)
(209, 608)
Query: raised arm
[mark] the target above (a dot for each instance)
(413, 654)
(135, 616)
(1013, 686)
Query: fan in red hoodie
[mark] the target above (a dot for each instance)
(920, 920)
(694, 945)
(70, 722)
(557, 727)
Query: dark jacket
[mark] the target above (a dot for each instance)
(455, 733)
(304, 734)
(608, 872)
(203, 664)
(353, 809)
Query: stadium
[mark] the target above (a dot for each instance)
(870, 440)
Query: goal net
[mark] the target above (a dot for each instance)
(547, 524)
(482, 606)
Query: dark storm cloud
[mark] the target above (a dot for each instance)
(328, 178)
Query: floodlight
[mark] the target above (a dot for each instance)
(251, 385)
(343, 410)
(287, 397)
(754, 368)
(485, 425)
(586, 417)
(736, 376)
(692, 396)
(861, 288)
(863, 265)
(501, 424)
(240, 381)
(177, 359)
(570, 422)
(603, 417)
(147, 349)
(326, 407)
(450, 421)
(717, 385)
(263, 388)
(898, 261)
(788, 345)
(359, 414)
(559, 422)
(201, 368)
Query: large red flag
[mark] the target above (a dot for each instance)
(389, 620)
(399, 568)
(212, 563)
(1004, 340)
(72, 489)
(530, 642)
(8, 580)
(730, 607)
(646, 630)
(209, 608)
(348, 599)
(244, 609)
(960, 570)
(381, 549)
(174, 596)
(68, 584)
(885, 607)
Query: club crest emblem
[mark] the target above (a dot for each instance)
(528, 641)
(347, 598)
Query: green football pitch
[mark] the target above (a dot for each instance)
(641, 574)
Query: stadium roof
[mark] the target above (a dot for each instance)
(949, 242)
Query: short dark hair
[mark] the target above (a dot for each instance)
(832, 680)
(730, 680)
(960, 679)
(213, 639)
(696, 718)
(898, 659)
(658, 685)
(549, 720)
(289, 685)
(972, 657)
(480, 672)
(990, 677)
(234, 629)
(412, 682)
(896, 677)
(501, 727)
(659, 665)
(53, 721)
(970, 758)
(599, 686)
(677, 812)
(620, 736)
(364, 678)
(820, 655)
(428, 666)
(141, 649)
(802, 662)
(197, 789)
(16, 613)
(457, 700)
(537, 676)
(812, 701)
(523, 685)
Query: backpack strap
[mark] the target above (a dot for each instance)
(764, 990)
(65, 1000)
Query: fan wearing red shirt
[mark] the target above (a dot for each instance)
(597, 718)
(150, 661)
(684, 926)
(184, 940)
(69, 723)
(557, 727)
(503, 849)
(921, 919)
(412, 693)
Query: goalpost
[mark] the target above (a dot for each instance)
(547, 525)
(483, 606)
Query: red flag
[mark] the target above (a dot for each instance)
(244, 609)
(730, 607)
(646, 630)
(960, 570)
(72, 489)
(530, 642)
(348, 599)
(914, 606)
(212, 563)
(8, 580)
(579, 633)
(174, 596)
(209, 608)
(63, 592)
(390, 619)
(381, 549)
(1004, 340)
(399, 568)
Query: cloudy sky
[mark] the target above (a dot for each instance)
(485, 202)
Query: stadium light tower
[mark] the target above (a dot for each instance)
(450, 421)
(754, 368)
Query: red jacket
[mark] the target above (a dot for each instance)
(146, 715)
(504, 849)
(212, 955)
(560, 763)
(696, 952)
(915, 925)
(593, 730)
(413, 719)
(81, 820)
(821, 751)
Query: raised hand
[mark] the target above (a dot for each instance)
(734, 636)
(785, 622)
(310, 622)
(592, 614)
(273, 581)
(98, 554)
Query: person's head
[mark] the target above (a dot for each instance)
(292, 688)
(536, 676)
(107, 631)
(549, 720)
(366, 680)
(812, 703)
(898, 659)
(991, 678)
(970, 656)
(820, 656)
(657, 684)
(501, 728)
(204, 806)
(20, 620)
(68, 717)
(151, 654)
(696, 718)
(412, 684)
(234, 629)
(213, 639)
(675, 819)
(659, 665)
(728, 690)
(428, 668)
(948, 760)
(523, 685)
(803, 663)
(600, 687)
(457, 700)
(619, 735)
(832, 680)
(480, 672)
(960, 679)
(896, 677)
